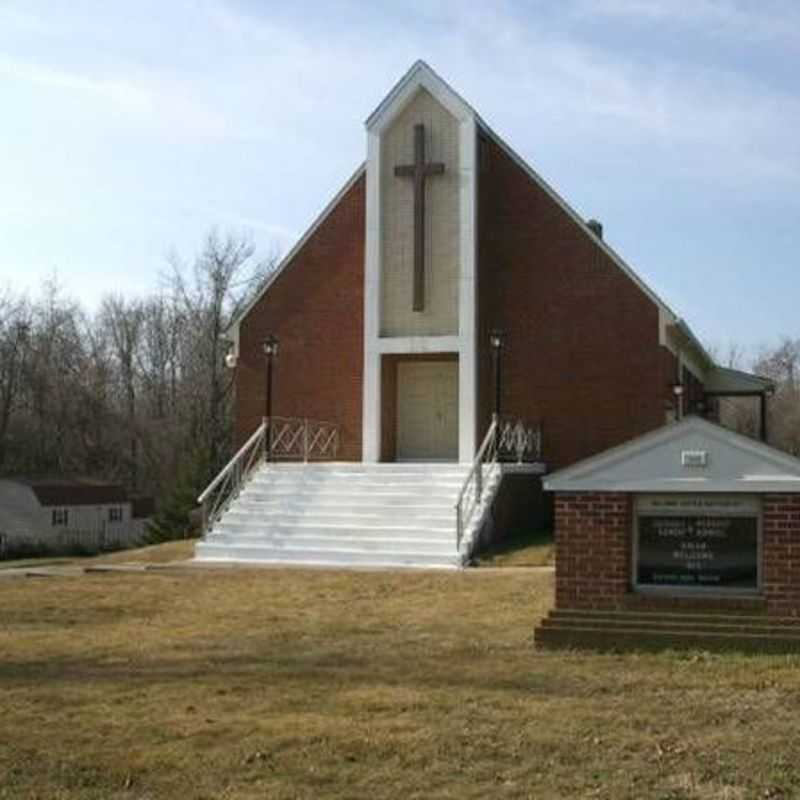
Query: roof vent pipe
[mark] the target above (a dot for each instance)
(596, 227)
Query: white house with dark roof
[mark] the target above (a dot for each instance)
(61, 514)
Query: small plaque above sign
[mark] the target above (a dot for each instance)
(698, 504)
(694, 458)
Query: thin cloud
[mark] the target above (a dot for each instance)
(125, 96)
(714, 117)
(749, 21)
(725, 124)
(158, 103)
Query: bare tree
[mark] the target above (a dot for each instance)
(220, 281)
(14, 328)
(136, 393)
(782, 365)
(123, 319)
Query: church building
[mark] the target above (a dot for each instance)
(447, 281)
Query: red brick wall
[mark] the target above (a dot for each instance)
(582, 352)
(316, 309)
(593, 545)
(581, 356)
(781, 553)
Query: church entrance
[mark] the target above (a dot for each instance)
(427, 411)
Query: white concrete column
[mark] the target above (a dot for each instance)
(371, 418)
(467, 324)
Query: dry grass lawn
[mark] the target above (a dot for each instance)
(526, 549)
(154, 554)
(315, 684)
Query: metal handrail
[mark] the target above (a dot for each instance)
(276, 439)
(225, 487)
(507, 438)
(472, 490)
(239, 454)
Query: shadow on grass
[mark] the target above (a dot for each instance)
(519, 549)
(315, 668)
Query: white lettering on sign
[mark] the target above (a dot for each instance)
(694, 458)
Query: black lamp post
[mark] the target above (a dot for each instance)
(496, 338)
(270, 348)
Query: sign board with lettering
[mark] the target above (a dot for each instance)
(697, 542)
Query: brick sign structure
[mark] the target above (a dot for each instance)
(646, 537)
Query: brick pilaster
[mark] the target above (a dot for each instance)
(593, 538)
(781, 554)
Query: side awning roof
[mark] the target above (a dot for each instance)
(726, 381)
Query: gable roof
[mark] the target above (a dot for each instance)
(73, 492)
(654, 462)
(422, 74)
(727, 381)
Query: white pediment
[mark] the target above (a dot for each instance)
(420, 76)
(693, 455)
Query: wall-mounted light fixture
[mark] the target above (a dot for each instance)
(678, 390)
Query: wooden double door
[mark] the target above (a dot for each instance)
(427, 411)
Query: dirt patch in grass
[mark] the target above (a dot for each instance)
(321, 684)
(522, 549)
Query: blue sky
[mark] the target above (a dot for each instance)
(130, 129)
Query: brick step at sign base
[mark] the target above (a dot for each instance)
(615, 631)
(656, 617)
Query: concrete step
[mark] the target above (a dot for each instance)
(399, 479)
(313, 514)
(359, 501)
(294, 539)
(360, 468)
(207, 551)
(369, 476)
(353, 491)
(340, 514)
(286, 526)
(333, 527)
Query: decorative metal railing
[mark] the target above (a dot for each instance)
(517, 441)
(295, 439)
(276, 439)
(506, 440)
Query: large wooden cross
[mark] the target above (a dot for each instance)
(419, 171)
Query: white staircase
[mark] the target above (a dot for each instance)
(342, 514)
